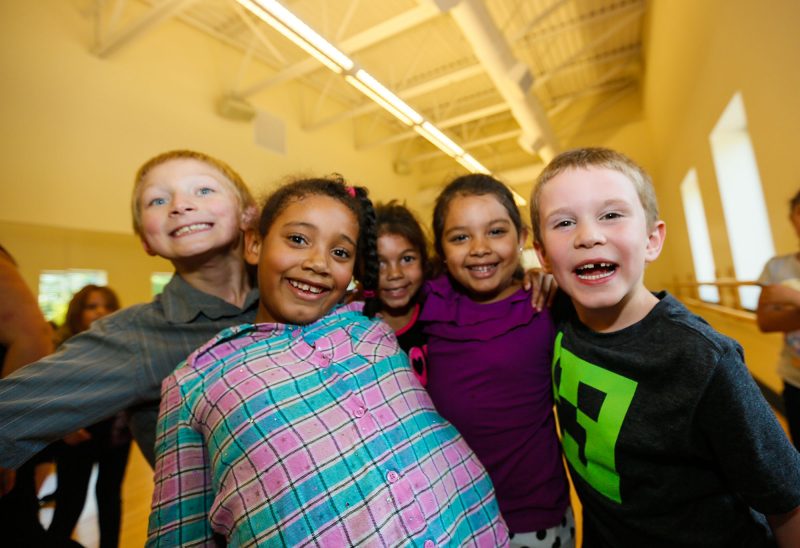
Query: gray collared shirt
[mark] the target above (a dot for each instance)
(117, 364)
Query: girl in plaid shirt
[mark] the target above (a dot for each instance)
(309, 427)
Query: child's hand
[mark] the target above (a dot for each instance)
(780, 295)
(543, 287)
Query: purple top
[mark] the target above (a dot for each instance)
(490, 376)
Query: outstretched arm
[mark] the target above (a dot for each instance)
(778, 309)
(92, 376)
(23, 330)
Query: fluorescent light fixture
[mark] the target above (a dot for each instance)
(293, 28)
(375, 96)
(387, 95)
(439, 139)
(472, 165)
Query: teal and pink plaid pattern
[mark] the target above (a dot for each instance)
(317, 435)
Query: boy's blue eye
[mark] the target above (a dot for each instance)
(205, 190)
(157, 201)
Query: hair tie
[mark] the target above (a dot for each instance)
(351, 190)
(369, 294)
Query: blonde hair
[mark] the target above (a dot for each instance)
(582, 158)
(243, 195)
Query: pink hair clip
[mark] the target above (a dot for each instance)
(351, 190)
(369, 294)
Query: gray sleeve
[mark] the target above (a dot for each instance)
(767, 277)
(91, 377)
(754, 454)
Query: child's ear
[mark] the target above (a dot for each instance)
(252, 246)
(655, 241)
(539, 248)
(523, 236)
(147, 248)
(249, 217)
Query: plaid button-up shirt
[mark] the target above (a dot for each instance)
(274, 434)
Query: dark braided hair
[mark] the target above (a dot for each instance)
(356, 200)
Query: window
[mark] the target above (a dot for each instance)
(158, 280)
(742, 198)
(56, 288)
(699, 241)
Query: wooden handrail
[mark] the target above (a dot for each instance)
(728, 289)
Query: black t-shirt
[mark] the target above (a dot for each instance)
(414, 342)
(668, 439)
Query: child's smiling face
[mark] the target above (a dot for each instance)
(596, 242)
(401, 273)
(188, 208)
(481, 246)
(305, 261)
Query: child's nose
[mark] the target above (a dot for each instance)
(479, 246)
(316, 261)
(393, 271)
(181, 204)
(588, 235)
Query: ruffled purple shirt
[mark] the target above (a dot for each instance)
(490, 376)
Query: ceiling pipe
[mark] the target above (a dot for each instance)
(512, 78)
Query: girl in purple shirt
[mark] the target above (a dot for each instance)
(490, 358)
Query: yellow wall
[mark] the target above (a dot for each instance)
(76, 127)
(699, 54)
(37, 248)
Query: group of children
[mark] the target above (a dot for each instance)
(301, 420)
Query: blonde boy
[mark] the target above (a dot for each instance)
(193, 210)
(668, 440)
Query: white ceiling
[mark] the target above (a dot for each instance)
(466, 69)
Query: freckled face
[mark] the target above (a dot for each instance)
(400, 272)
(481, 246)
(305, 261)
(596, 242)
(95, 307)
(188, 208)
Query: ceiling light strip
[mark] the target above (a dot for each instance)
(288, 24)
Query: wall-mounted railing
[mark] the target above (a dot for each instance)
(728, 289)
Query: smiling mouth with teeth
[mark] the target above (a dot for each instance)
(595, 271)
(306, 287)
(188, 229)
(482, 267)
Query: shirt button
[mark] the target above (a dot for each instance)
(359, 412)
(392, 476)
(429, 544)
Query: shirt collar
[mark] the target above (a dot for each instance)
(183, 303)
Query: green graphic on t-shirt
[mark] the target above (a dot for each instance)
(592, 404)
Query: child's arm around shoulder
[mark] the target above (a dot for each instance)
(778, 308)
